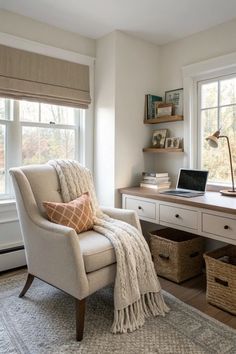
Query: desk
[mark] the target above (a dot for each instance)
(210, 215)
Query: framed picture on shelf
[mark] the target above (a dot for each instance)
(176, 98)
(163, 109)
(158, 138)
(176, 143)
(172, 143)
(168, 143)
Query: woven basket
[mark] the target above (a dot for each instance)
(177, 255)
(221, 278)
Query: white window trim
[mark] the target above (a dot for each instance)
(14, 126)
(86, 131)
(223, 65)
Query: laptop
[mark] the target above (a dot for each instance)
(190, 183)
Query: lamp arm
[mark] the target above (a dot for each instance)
(230, 160)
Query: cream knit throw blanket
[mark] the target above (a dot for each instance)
(137, 292)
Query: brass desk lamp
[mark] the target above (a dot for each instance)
(213, 142)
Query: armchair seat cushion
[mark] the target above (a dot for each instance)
(97, 251)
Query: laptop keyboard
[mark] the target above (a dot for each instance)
(184, 194)
(176, 192)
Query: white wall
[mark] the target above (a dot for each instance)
(104, 144)
(28, 28)
(126, 69)
(204, 45)
(137, 73)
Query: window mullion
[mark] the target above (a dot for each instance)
(13, 143)
(14, 138)
(77, 115)
(218, 108)
(199, 127)
(40, 113)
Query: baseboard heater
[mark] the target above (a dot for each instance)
(12, 257)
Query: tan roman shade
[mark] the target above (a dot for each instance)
(30, 76)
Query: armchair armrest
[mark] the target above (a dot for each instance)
(54, 255)
(129, 216)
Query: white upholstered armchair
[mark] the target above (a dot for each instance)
(78, 265)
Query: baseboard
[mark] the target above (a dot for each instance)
(12, 259)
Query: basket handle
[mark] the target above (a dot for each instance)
(163, 256)
(221, 282)
(194, 254)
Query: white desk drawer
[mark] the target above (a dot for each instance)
(143, 208)
(218, 225)
(179, 216)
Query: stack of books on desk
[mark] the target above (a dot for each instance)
(157, 181)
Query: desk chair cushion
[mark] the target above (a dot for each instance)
(97, 251)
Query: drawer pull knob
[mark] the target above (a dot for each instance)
(163, 256)
(226, 227)
(139, 207)
(177, 215)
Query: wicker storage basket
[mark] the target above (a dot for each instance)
(221, 278)
(177, 255)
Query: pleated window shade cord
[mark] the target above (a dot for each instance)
(36, 77)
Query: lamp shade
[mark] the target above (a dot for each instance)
(212, 141)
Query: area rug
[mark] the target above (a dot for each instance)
(43, 322)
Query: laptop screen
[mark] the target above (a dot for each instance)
(192, 179)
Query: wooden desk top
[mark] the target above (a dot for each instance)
(210, 200)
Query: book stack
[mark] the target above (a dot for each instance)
(157, 181)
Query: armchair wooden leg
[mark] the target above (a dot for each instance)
(28, 283)
(80, 312)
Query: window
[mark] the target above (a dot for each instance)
(217, 109)
(33, 133)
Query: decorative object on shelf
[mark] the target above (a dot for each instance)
(172, 143)
(158, 138)
(163, 109)
(150, 105)
(176, 98)
(213, 142)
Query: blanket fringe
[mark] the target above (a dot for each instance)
(133, 316)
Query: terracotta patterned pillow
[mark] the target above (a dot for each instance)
(76, 214)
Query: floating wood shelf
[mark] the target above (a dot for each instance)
(159, 150)
(163, 119)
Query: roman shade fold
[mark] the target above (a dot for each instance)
(30, 76)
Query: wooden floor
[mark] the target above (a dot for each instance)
(193, 292)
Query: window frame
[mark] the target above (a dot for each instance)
(213, 185)
(13, 139)
(191, 74)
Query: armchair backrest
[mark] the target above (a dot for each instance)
(33, 185)
(36, 184)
